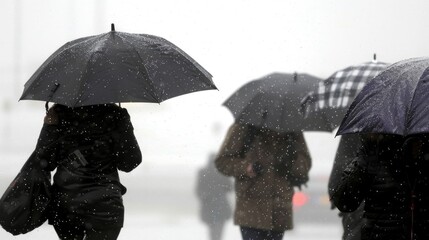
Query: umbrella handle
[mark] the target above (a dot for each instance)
(54, 89)
(47, 106)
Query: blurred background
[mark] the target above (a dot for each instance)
(236, 41)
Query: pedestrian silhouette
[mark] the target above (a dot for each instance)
(212, 189)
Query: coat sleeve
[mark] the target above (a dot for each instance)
(127, 152)
(347, 150)
(230, 160)
(303, 158)
(294, 160)
(349, 193)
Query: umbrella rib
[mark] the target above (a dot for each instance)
(408, 120)
(197, 65)
(145, 71)
(81, 87)
(65, 48)
(73, 43)
(183, 53)
(188, 58)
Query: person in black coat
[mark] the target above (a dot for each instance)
(347, 150)
(87, 145)
(391, 175)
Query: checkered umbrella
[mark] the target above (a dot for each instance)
(333, 96)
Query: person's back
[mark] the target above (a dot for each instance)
(87, 145)
(381, 176)
(417, 164)
(261, 160)
(386, 201)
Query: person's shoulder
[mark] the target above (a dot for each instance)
(117, 112)
(236, 129)
(239, 127)
(111, 108)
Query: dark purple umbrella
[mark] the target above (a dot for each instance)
(396, 101)
(273, 102)
(333, 96)
(116, 67)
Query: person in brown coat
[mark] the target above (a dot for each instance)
(263, 163)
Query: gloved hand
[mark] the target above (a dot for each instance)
(257, 168)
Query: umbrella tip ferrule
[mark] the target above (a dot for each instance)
(112, 27)
(295, 76)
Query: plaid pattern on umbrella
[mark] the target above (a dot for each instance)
(339, 90)
(335, 94)
(394, 102)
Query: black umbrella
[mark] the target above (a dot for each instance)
(273, 102)
(333, 96)
(396, 101)
(116, 67)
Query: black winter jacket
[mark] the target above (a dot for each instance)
(87, 146)
(347, 150)
(395, 188)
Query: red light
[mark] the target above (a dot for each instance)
(299, 199)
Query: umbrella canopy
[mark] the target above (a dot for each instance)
(333, 96)
(396, 101)
(116, 67)
(273, 102)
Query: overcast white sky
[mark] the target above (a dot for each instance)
(235, 40)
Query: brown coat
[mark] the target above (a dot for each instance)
(264, 201)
